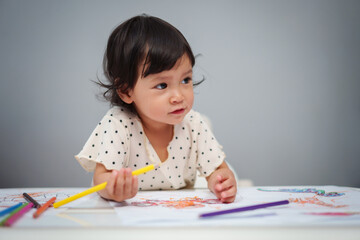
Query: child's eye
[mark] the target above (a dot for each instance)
(186, 80)
(161, 86)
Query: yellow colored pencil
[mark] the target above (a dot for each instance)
(100, 187)
(145, 169)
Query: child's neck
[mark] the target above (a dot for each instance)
(160, 133)
(159, 137)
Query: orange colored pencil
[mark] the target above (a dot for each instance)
(44, 207)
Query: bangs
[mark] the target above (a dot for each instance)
(165, 45)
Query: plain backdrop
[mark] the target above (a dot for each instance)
(282, 85)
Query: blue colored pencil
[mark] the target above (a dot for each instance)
(9, 209)
(242, 209)
(14, 211)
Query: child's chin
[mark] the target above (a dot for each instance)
(176, 121)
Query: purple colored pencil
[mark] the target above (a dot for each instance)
(243, 209)
(18, 215)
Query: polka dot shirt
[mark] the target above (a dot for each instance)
(119, 141)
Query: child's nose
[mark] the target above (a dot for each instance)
(176, 97)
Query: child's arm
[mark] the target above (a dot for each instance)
(222, 183)
(121, 185)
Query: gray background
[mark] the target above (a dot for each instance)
(282, 85)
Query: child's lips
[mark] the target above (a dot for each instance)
(178, 111)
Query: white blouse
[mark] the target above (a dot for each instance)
(119, 141)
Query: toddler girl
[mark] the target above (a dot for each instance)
(148, 64)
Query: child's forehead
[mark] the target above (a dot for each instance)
(182, 62)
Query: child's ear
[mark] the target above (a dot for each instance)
(125, 96)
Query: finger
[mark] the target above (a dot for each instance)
(120, 184)
(127, 183)
(217, 191)
(219, 178)
(228, 200)
(134, 189)
(110, 186)
(218, 195)
(228, 194)
(228, 183)
(223, 185)
(218, 187)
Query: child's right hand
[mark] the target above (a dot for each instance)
(122, 185)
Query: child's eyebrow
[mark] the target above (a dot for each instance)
(188, 72)
(159, 77)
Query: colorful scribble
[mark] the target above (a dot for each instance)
(318, 192)
(315, 201)
(41, 197)
(188, 202)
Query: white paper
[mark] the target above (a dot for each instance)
(309, 205)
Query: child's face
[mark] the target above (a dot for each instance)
(165, 97)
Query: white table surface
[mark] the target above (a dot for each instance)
(101, 224)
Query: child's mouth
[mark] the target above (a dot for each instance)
(178, 111)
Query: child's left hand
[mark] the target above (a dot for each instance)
(222, 183)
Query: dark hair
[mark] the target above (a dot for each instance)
(143, 40)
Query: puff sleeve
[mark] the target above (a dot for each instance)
(108, 144)
(209, 152)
